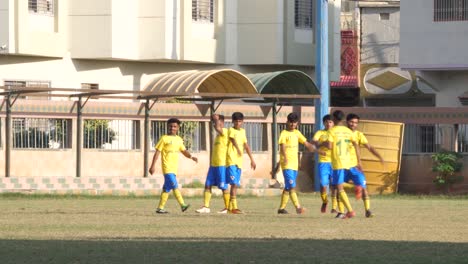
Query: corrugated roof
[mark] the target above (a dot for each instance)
(346, 81)
(283, 82)
(213, 81)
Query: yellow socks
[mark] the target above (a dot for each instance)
(226, 197)
(207, 198)
(294, 199)
(284, 199)
(232, 203)
(178, 196)
(344, 199)
(163, 199)
(366, 202)
(324, 196)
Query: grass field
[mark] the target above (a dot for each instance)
(406, 229)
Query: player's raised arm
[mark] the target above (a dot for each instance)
(217, 124)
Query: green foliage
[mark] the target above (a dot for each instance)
(187, 132)
(447, 164)
(97, 132)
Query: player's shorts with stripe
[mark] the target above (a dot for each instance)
(325, 173)
(357, 176)
(217, 177)
(233, 175)
(290, 177)
(170, 182)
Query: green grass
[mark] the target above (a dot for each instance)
(109, 229)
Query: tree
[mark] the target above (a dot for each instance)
(447, 164)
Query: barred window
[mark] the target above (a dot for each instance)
(303, 14)
(203, 11)
(306, 129)
(192, 132)
(256, 135)
(450, 10)
(462, 138)
(41, 6)
(111, 134)
(41, 133)
(428, 138)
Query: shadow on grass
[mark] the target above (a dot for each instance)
(215, 250)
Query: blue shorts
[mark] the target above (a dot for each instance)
(290, 177)
(170, 182)
(233, 175)
(325, 173)
(216, 177)
(338, 176)
(356, 176)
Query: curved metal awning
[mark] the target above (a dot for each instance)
(224, 81)
(284, 82)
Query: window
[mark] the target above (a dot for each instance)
(462, 138)
(428, 138)
(256, 135)
(90, 86)
(303, 14)
(41, 6)
(384, 16)
(41, 133)
(306, 129)
(450, 10)
(111, 134)
(39, 84)
(192, 132)
(203, 11)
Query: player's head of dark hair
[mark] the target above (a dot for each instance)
(293, 118)
(338, 115)
(326, 118)
(352, 116)
(237, 116)
(173, 120)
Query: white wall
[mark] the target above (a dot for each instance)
(426, 44)
(4, 26)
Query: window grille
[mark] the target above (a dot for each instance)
(41, 6)
(203, 11)
(462, 138)
(306, 129)
(427, 138)
(304, 14)
(450, 10)
(192, 132)
(111, 134)
(41, 133)
(256, 135)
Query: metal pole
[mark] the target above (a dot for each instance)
(7, 136)
(274, 139)
(79, 130)
(146, 141)
(321, 71)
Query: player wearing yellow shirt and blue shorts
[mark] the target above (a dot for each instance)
(217, 171)
(325, 170)
(341, 142)
(169, 147)
(236, 145)
(289, 142)
(356, 174)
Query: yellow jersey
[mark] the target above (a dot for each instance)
(290, 140)
(232, 156)
(361, 140)
(218, 156)
(170, 146)
(322, 136)
(341, 138)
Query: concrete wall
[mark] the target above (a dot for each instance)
(380, 38)
(5, 26)
(423, 41)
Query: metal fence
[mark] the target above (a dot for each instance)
(192, 132)
(41, 133)
(111, 134)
